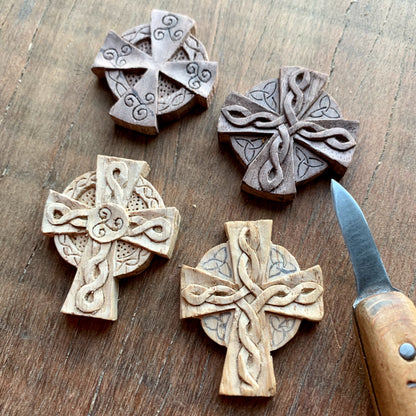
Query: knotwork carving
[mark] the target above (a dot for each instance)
(156, 71)
(254, 293)
(291, 115)
(101, 215)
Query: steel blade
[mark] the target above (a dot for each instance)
(370, 275)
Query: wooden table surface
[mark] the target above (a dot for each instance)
(54, 122)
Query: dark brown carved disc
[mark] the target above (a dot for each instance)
(156, 71)
(287, 131)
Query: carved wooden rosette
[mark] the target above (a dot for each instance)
(108, 224)
(156, 71)
(286, 132)
(250, 296)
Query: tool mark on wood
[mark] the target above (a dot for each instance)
(204, 371)
(38, 244)
(317, 209)
(388, 131)
(22, 73)
(370, 53)
(312, 358)
(340, 39)
(172, 176)
(335, 373)
(165, 358)
(72, 8)
(49, 181)
(257, 47)
(126, 336)
(217, 14)
(91, 411)
(6, 17)
(335, 330)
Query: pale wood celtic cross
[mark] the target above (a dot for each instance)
(108, 224)
(250, 296)
(155, 70)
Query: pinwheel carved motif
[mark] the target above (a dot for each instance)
(287, 131)
(108, 224)
(250, 296)
(156, 71)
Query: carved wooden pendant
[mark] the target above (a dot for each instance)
(108, 224)
(286, 132)
(251, 296)
(156, 71)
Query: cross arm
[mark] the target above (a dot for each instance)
(64, 215)
(154, 229)
(116, 53)
(199, 77)
(168, 33)
(203, 294)
(299, 295)
(242, 116)
(333, 140)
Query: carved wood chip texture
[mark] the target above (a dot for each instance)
(286, 132)
(108, 224)
(250, 296)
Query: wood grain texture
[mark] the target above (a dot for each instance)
(384, 323)
(53, 123)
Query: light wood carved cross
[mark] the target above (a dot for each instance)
(138, 104)
(287, 131)
(250, 296)
(108, 224)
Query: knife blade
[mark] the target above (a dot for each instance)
(385, 318)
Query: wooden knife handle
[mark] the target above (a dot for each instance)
(386, 325)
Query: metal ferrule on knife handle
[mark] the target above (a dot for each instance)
(386, 327)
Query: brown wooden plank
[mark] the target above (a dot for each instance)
(53, 123)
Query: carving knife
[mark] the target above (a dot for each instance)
(385, 319)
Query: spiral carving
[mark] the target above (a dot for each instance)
(169, 21)
(140, 109)
(118, 58)
(199, 75)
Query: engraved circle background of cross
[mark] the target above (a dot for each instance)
(217, 326)
(128, 257)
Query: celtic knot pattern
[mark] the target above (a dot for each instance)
(306, 162)
(219, 263)
(104, 226)
(252, 296)
(266, 95)
(90, 296)
(299, 112)
(325, 109)
(154, 70)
